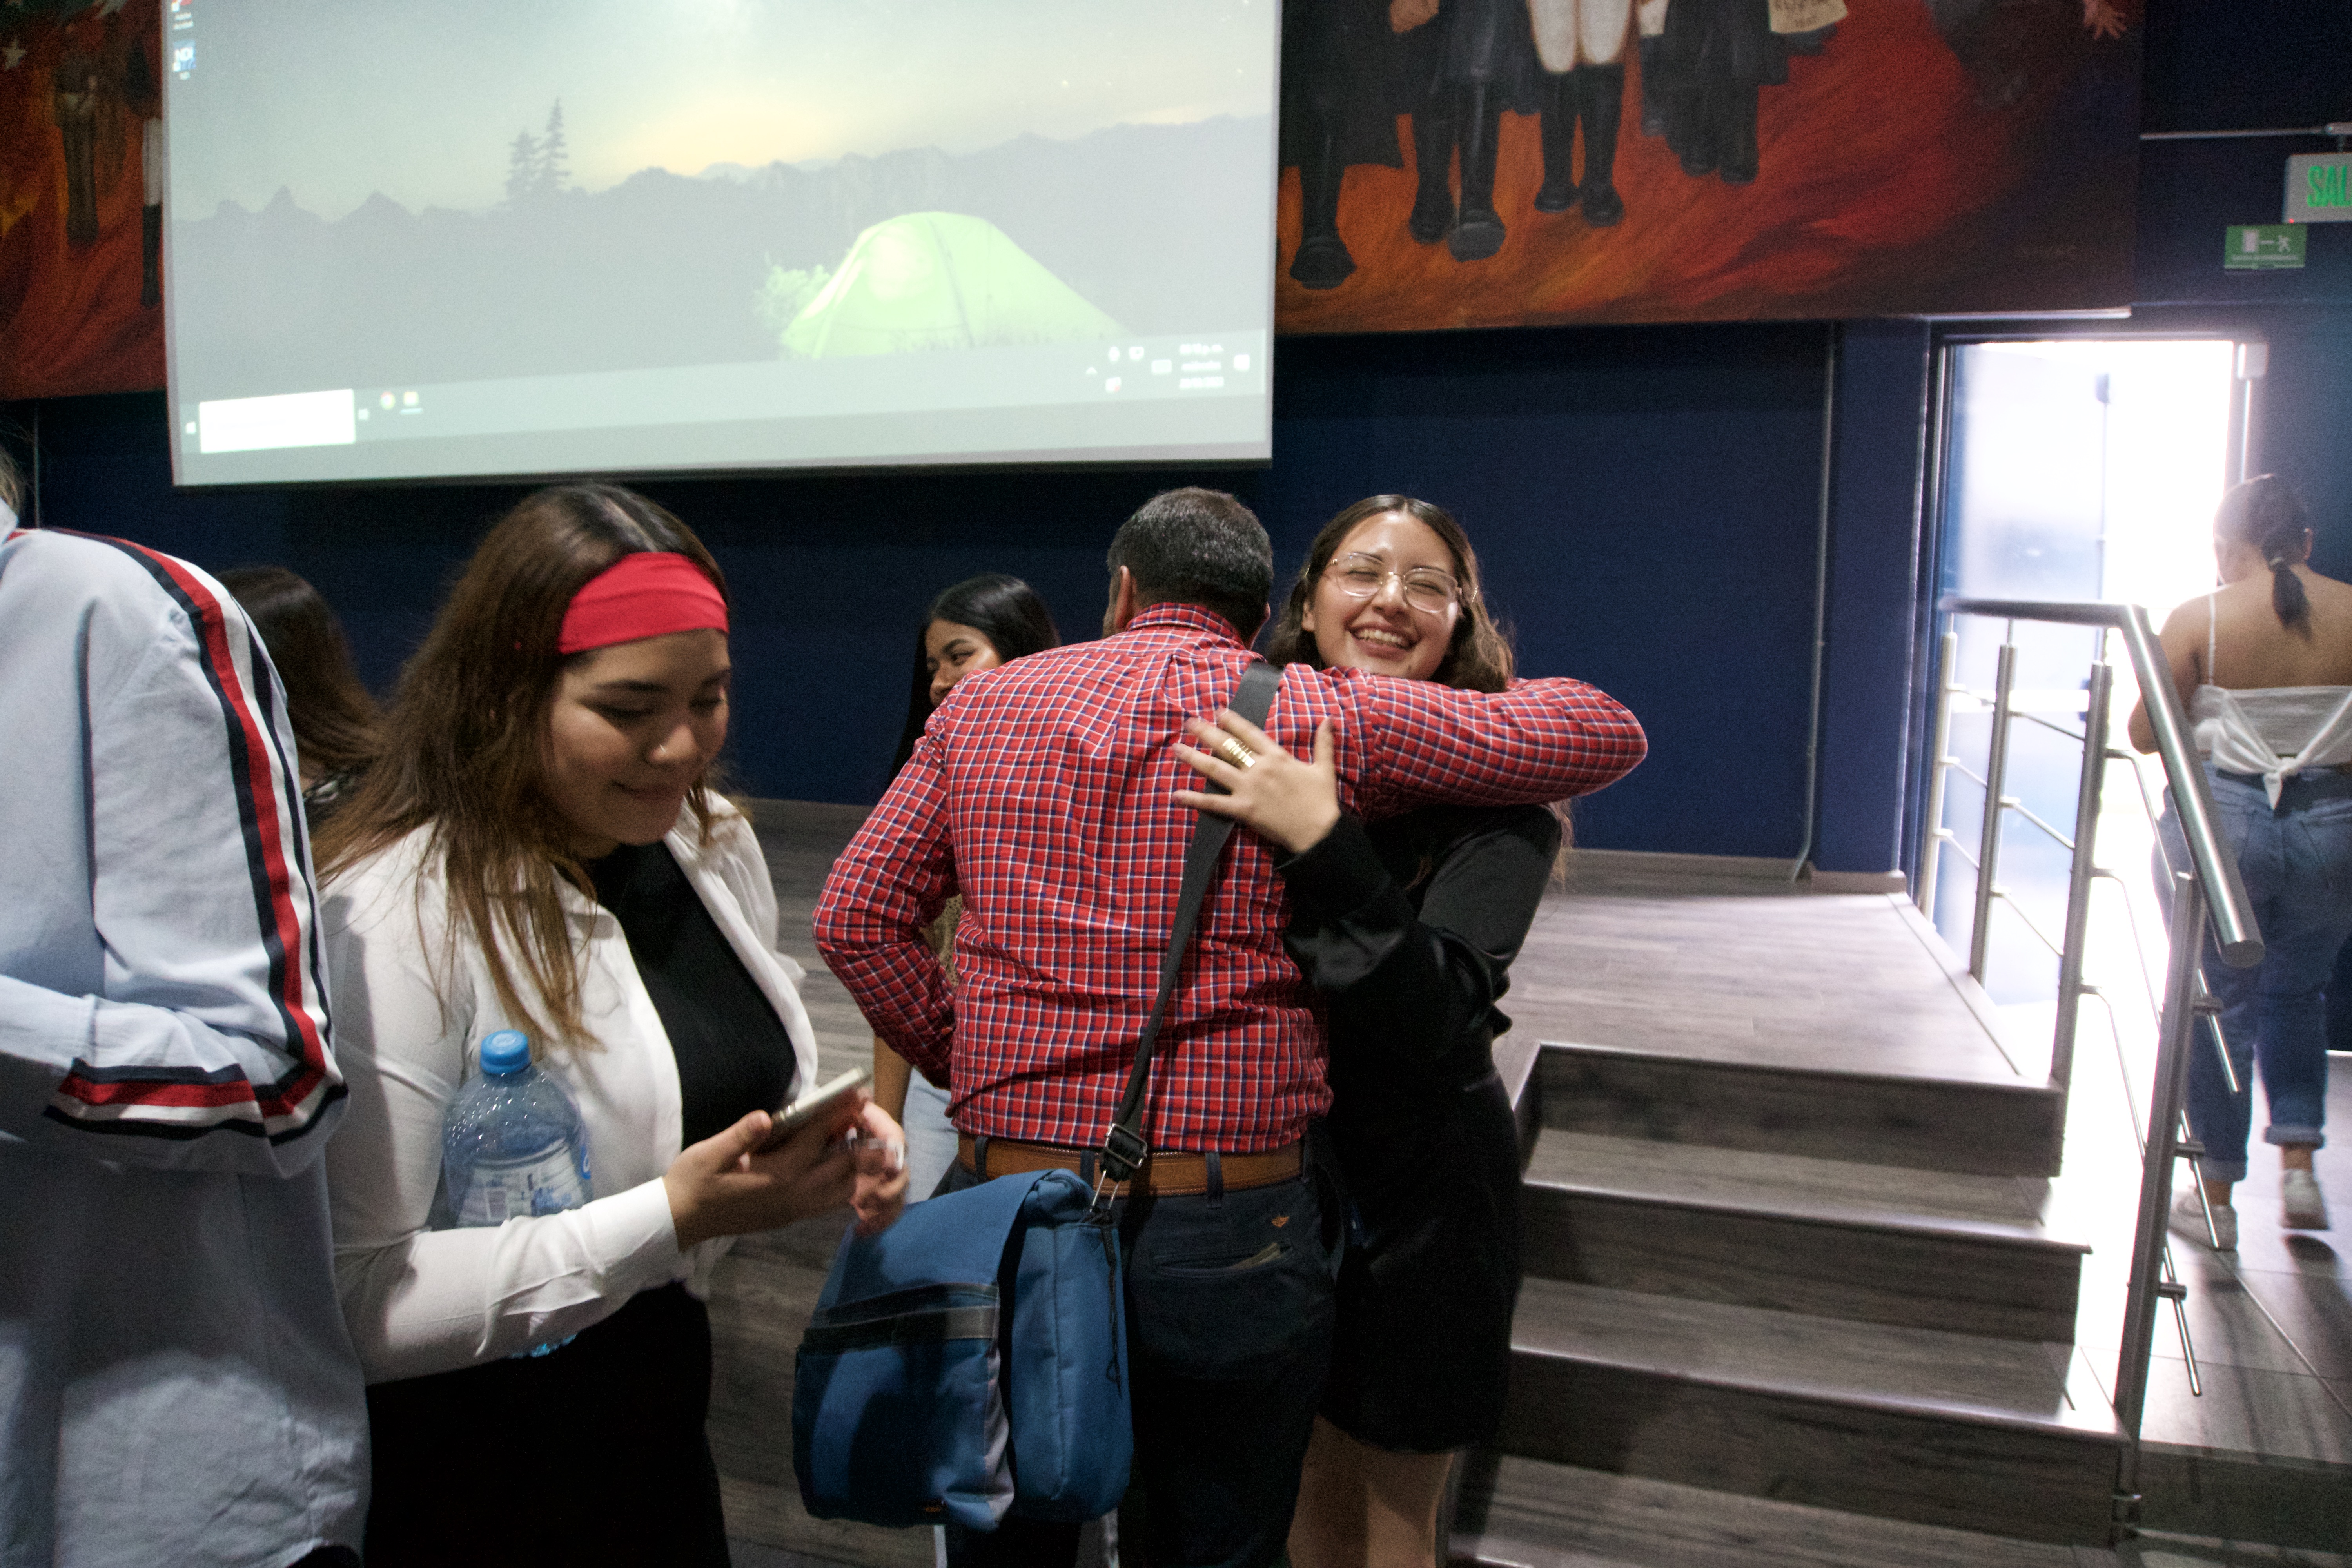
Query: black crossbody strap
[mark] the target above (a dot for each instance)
(1125, 1149)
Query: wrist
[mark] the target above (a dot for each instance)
(1312, 828)
(685, 1217)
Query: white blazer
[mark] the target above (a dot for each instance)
(410, 1016)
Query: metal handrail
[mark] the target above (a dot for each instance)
(2214, 892)
(2235, 933)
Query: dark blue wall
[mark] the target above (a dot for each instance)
(1644, 500)
(1870, 627)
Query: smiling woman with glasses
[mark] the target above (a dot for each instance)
(1408, 926)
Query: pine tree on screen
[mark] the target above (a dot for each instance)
(522, 167)
(552, 173)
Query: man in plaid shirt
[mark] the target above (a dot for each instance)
(1041, 791)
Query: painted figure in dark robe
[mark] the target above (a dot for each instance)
(1342, 89)
(2010, 47)
(1714, 59)
(1475, 60)
(75, 105)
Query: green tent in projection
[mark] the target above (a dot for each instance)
(940, 280)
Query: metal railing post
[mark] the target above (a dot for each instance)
(1988, 835)
(1939, 768)
(2148, 1285)
(2078, 884)
(2235, 935)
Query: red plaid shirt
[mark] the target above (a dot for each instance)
(1041, 792)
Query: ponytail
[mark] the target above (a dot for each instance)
(2287, 597)
(2263, 512)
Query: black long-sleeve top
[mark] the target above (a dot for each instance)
(1409, 928)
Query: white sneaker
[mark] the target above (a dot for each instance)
(2300, 1204)
(2189, 1218)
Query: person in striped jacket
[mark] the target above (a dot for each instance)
(176, 1383)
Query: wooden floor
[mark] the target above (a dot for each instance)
(1737, 968)
(1693, 962)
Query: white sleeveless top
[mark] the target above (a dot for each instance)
(2274, 730)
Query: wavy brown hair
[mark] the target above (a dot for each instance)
(336, 723)
(465, 746)
(1478, 658)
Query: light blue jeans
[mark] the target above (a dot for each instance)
(2296, 863)
(930, 1140)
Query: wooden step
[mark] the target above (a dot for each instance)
(1958, 1430)
(1516, 1512)
(1969, 1126)
(1867, 1243)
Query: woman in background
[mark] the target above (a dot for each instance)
(540, 846)
(978, 624)
(1408, 926)
(336, 725)
(2263, 663)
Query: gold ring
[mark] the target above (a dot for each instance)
(1239, 755)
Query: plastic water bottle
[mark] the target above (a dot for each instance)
(513, 1144)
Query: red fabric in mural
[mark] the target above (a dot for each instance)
(78, 82)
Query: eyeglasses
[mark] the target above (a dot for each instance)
(1426, 589)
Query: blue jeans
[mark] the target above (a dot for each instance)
(1229, 1308)
(2296, 863)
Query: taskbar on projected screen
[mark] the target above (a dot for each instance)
(1199, 395)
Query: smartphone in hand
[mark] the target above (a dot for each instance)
(815, 1106)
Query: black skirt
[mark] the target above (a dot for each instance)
(594, 1454)
(1422, 1346)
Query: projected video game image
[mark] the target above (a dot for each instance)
(699, 234)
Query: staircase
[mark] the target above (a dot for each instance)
(1787, 1275)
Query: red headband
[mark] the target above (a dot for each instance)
(646, 594)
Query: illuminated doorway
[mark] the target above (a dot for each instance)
(2073, 469)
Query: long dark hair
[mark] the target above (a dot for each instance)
(336, 725)
(1478, 658)
(2263, 512)
(465, 745)
(1004, 610)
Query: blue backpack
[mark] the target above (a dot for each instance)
(971, 1360)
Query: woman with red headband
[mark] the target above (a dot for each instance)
(539, 848)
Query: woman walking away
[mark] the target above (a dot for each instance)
(539, 852)
(1409, 928)
(978, 624)
(2264, 662)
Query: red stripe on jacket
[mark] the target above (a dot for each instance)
(212, 630)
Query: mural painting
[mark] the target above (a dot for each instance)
(81, 302)
(1499, 163)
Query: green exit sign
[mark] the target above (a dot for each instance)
(2319, 188)
(2263, 247)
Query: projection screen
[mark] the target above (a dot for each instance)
(543, 237)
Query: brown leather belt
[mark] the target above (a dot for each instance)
(1168, 1174)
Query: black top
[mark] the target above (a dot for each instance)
(1409, 929)
(733, 1054)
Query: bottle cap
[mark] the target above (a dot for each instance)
(507, 1051)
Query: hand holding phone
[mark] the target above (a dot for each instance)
(816, 1106)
